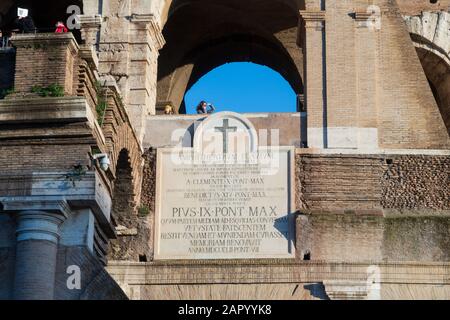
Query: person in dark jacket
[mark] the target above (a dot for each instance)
(25, 24)
(3, 40)
(205, 107)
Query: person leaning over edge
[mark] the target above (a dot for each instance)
(25, 24)
(203, 106)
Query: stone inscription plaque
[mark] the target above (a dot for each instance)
(209, 209)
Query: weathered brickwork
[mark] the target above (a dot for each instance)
(366, 90)
(370, 184)
(417, 182)
(368, 238)
(338, 183)
(149, 180)
(42, 142)
(120, 137)
(136, 243)
(43, 60)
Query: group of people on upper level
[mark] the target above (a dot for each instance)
(24, 23)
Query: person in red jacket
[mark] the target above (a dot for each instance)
(61, 28)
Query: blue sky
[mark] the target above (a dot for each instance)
(243, 87)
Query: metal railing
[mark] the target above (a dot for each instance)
(4, 43)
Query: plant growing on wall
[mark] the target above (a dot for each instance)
(102, 104)
(143, 211)
(76, 174)
(53, 90)
(6, 92)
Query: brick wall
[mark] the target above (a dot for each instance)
(338, 183)
(416, 182)
(149, 180)
(43, 60)
(29, 157)
(370, 184)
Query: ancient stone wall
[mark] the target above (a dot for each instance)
(360, 207)
(136, 231)
(44, 60)
(338, 183)
(413, 7)
(416, 182)
(372, 183)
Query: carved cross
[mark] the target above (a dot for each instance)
(225, 129)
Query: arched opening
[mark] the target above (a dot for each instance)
(242, 87)
(203, 35)
(437, 71)
(123, 196)
(133, 241)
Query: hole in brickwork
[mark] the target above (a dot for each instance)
(389, 161)
(307, 256)
(123, 197)
(142, 258)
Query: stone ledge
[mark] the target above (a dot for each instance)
(247, 272)
(89, 192)
(44, 39)
(44, 110)
(49, 110)
(375, 152)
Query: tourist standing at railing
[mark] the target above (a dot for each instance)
(3, 40)
(61, 28)
(205, 107)
(24, 22)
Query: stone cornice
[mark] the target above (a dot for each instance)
(90, 21)
(310, 15)
(273, 271)
(362, 15)
(150, 21)
(87, 53)
(45, 40)
(17, 204)
(53, 192)
(313, 18)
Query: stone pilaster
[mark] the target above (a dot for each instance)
(37, 236)
(90, 28)
(315, 76)
(145, 42)
(367, 24)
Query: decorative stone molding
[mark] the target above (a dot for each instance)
(155, 31)
(43, 40)
(346, 289)
(90, 26)
(88, 53)
(37, 219)
(368, 17)
(20, 204)
(313, 19)
(39, 225)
